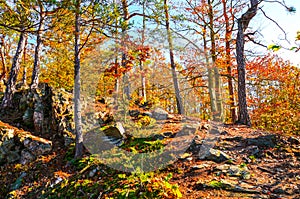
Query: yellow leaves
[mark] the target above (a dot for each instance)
(274, 47)
(298, 36)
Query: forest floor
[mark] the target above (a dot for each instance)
(250, 164)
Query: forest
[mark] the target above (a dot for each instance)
(148, 99)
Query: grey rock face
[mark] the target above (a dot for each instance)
(215, 155)
(159, 114)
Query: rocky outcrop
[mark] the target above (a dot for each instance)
(43, 110)
(20, 146)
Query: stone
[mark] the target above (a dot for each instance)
(251, 150)
(12, 156)
(93, 172)
(147, 113)
(200, 166)
(215, 155)
(134, 113)
(265, 141)
(115, 134)
(159, 114)
(294, 141)
(235, 171)
(17, 184)
(205, 126)
(17, 145)
(158, 137)
(26, 157)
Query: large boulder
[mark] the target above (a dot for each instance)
(159, 114)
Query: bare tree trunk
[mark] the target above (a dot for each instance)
(243, 23)
(11, 83)
(24, 79)
(228, 34)
(143, 77)
(37, 53)
(77, 103)
(3, 61)
(179, 103)
(211, 82)
(217, 114)
(126, 83)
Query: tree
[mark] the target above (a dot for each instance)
(243, 22)
(77, 103)
(228, 35)
(17, 19)
(179, 103)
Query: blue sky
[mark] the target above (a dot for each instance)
(272, 34)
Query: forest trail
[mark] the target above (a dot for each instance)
(244, 163)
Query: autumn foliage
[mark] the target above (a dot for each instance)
(274, 94)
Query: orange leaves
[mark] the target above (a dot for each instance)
(275, 95)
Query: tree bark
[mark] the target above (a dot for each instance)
(3, 61)
(217, 114)
(143, 77)
(126, 83)
(37, 53)
(24, 78)
(243, 23)
(180, 108)
(77, 103)
(11, 83)
(228, 34)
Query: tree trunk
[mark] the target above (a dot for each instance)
(77, 103)
(179, 103)
(3, 61)
(228, 34)
(243, 23)
(217, 114)
(242, 96)
(37, 53)
(24, 79)
(143, 76)
(11, 83)
(126, 83)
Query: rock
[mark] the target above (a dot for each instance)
(17, 145)
(187, 130)
(184, 156)
(115, 134)
(12, 156)
(93, 172)
(294, 141)
(159, 114)
(168, 134)
(200, 166)
(134, 113)
(158, 137)
(224, 133)
(26, 157)
(251, 150)
(235, 171)
(266, 141)
(215, 155)
(235, 138)
(147, 113)
(17, 184)
(205, 126)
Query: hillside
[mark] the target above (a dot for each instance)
(246, 163)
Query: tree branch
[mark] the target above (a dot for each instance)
(285, 35)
